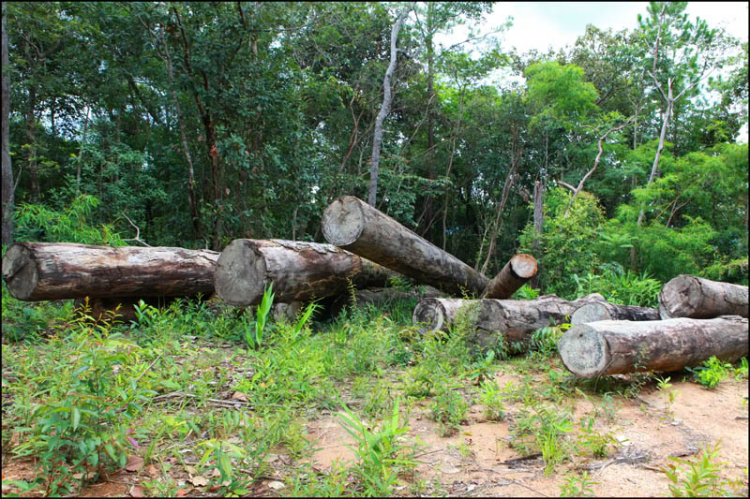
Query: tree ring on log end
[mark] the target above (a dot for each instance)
(584, 351)
(343, 221)
(680, 297)
(430, 314)
(591, 312)
(524, 266)
(20, 272)
(240, 274)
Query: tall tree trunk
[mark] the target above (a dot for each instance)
(7, 193)
(428, 209)
(385, 108)
(192, 203)
(536, 242)
(31, 157)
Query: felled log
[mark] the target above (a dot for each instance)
(604, 311)
(299, 271)
(690, 296)
(619, 347)
(352, 224)
(515, 274)
(515, 320)
(57, 271)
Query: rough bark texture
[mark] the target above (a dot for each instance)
(514, 320)
(57, 271)
(7, 172)
(698, 298)
(299, 271)
(516, 272)
(603, 311)
(618, 347)
(352, 224)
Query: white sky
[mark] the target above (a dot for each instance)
(541, 25)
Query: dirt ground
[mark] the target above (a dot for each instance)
(478, 461)
(473, 462)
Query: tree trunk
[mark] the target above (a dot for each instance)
(352, 224)
(690, 296)
(511, 321)
(516, 272)
(8, 198)
(603, 311)
(385, 108)
(536, 243)
(299, 271)
(57, 271)
(619, 347)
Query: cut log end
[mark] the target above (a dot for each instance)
(20, 272)
(584, 351)
(591, 312)
(681, 297)
(343, 221)
(430, 315)
(524, 266)
(240, 274)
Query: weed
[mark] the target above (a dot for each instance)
(712, 372)
(492, 400)
(741, 372)
(254, 337)
(543, 430)
(380, 453)
(577, 486)
(702, 479)
(594, 442)
(544, 340)
(448, 408)
(526, 292)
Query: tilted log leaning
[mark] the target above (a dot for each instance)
(618, 347)
(690, 296)
(56, 271)
(515, 319)
(299, 271)
(603, 311)
(519, 269)
(352, 224)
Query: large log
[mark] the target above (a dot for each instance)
(56, 271)
(604, 311)
(619, 347)
(352, 224)
(299, 271)
(515, 274)
(515, 320)
(698, 298)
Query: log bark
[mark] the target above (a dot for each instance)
(516, 272)
(619, 347)
(698, 298)
(603, 311)
(514, 320)
(352, 224)
(56, 271)
(299, 271)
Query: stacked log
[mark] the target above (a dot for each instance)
(300, 271)
(698, 298)
(353, 225)
(620, 347)
(515, 320)
(57, 271)
(515, 274)
(603, 311)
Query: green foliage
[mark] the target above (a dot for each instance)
(620, 286)
(702, 479)
(560, 92)
(70, 225)
(526, 292)
(712, 372)
(254, 338)
(448, 408)
(544, 340)
(578, 486)
(594, 442)
(491, 398)
(542, 429)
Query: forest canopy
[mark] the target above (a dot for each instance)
(193, 124)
